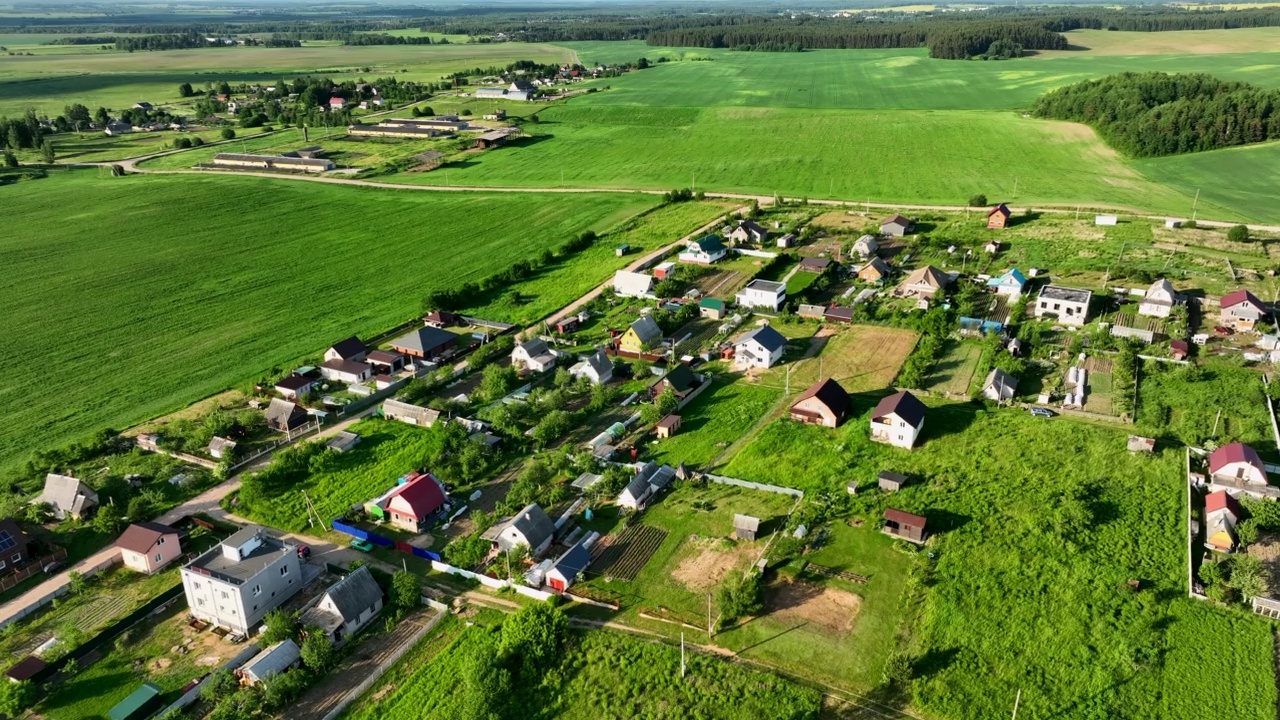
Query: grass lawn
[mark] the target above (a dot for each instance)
(165, 309)
(1242, 178)
(1183, 404)
(953, 374)
(722, 414)
(344, 150)
(1039, 525)
(859, 357)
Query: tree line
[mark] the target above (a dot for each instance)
(188, 40)
(1152, 114)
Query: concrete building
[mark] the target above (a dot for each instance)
(763, 294)
(1069, 306)
(235, 584)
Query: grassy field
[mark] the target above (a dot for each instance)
(344, 150)
(953, 374)
(722, 414)
(1028, 590)
(1243, 179)
(1176, 42)
(859, 357)
(175, 288)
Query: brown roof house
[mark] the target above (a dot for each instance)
(898, 420)
(904, 525)
(149, 546)
(425, 342)
(998, 217)
(285, 416)
(896, 226)
(349, 349)
(67, 496)
(1241, 310)
(14, 546)
(923, 283)
(825, 403)
(667, 426)
(874, 271)
(294, 386)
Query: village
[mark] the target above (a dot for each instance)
(640, 455)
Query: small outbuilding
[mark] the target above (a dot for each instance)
(998, 217)
(745, 527)
(141, 703)
(891, 481)
(269, 663)
(667, 426)
(896, 226)
(1137, 443)
(904, 525)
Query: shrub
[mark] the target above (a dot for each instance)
(228, 134)
(1238, 233)
(978, 200)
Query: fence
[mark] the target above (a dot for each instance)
(255, 456)
(383, 541)
(720, 479)
(696, 392)
(381, 668)
(10, 581)
(356, 406)
(188, 457)
(36, 604)
(755, 253)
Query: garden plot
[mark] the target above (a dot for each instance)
(859, 357)
(710, 559)
(802, 603)
(952, 376)
(626, 555)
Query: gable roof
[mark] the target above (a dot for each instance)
(867, 241)
(294, 382)
(536, 348)
(534, 524)
(902, 517)
(711, 303)
(384, 357)
(1001, 209)
(746, 522)
(753, 227)
(769, 339)
(349, 348)
(927, 275)
(815, 264)
(1013, 274)
(904, 405)
(681, 378)
(646, 329)
(422, 493)
(829, 393)
(348, 367)
(896, 220)
(1237, 297)
(709, 244)
(275, 659)
(1221, 500)
(626, 282)
(1000, 380)
(424, 339)
(574, 561)
(283, 412)
(600, 362)
(880, 266)
(636, 489)
(67, 494)
(355, 593)
(141, 537)
(1234, 453)
(1160, 287)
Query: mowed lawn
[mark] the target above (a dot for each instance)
(1039, 525)
(126, 298)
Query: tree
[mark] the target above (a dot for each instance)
(553, 425)
(535, 634)
(197, 141)
(10, 160)
(139, 509)
(406, 593)
(317, 652)
(219, 685)
(182, 143)
(107, 521)
(75, 582)
(978, 200)
(739, 594)
(1246, 576)
(280, 625)
(1238, 233)
(77, 115)
(497, 381)
(46, 152)
(16, 697)
(224, 88)
(185, 90)
(1247, 531)
(100, 117)
(228, 134)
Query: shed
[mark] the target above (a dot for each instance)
(891, 481)
(141, 703)
(745, 527)
(904, 525)
(668, 426)
(1137, 443)
(26, 668)
(269, 663)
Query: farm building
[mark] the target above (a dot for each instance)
(1158, 300)
(385, 361)
(1237, 466)
(898, 420)
(667, 426)
(838, 314)
(904, 525)
(896, 226)
(643, 334)
(148, 546)
(1000, 386)
(891, 481)
(294, 386)
(345, 371)
(411, 504)
(533, 355)
(679, 380)
(25, 669)
(998, 217)
(220, 447)
(1009, 283)
(531, 528)
(495, 138)
(67, 497)
(451, 123)
(1137, 444)
(874, 271)
(711, 308)
(816, 265)
(425, 342)
(1241, 310)
(1069, 306)
(349, 349)
(271, 163)
(745, 527)
(566, 569)
(787, 240)
(270, 662)
(759, 348)
(393, 409)
(347, 606)
(141, 703)
(343, 441)
(704, 251)
(632, 284)
(763, 294)
(285, 416)
(597, 368)
(665, 270)
(824, 403)
(1221, 515)
(748, 232)
(864, 247)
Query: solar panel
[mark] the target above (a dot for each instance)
(6, 540)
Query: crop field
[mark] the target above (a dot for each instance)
(1176, 42)
(1019, 587)
(1243, 179)
(163, 311)
(953, 373)
(627, 553)
(344, 150)
(722, 414)
(859, 357)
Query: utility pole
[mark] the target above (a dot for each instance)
(1015, 187)
(682, 665)
(1016, 702)
(1194, 203)
(709, 611)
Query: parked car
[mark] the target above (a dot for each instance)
(1042, 412)
(362, 545)
(1220, 330)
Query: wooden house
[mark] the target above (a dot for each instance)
(904, 525)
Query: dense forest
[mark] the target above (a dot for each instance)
(185, 41)
(1151, 114)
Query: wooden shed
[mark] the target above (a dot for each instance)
(668, 426)
(745, 527)
(891, 481)
(904, 525)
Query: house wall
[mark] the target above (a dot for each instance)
(1154, 309)
(160, 555)
(895, 431)
(825, 417)
(241, 607)
(1067, 312)
(1242, 471)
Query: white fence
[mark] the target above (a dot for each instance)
(754, 485)
(491, 582)
(755, 253)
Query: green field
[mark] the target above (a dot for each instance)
(131, 297)
(722, 414)
(1039, 525)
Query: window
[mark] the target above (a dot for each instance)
(224, 594)
(200, 602)
(160, 541)
(284, 571)
(2, 566)
(195, 585)
(257, 590)
(159, 557)
(17, 558)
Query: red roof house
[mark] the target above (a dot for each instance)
(1237, 464)
(1179, 349)
(410, 504)
(998, 217)
(337, 103)
(1241, 310)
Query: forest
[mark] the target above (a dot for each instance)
(1153, 114)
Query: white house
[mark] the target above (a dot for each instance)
(1070, 306)
(760, 348)
(1009, 283)
(898, 420)
(650, 479)
(349, 349)
(1237, 465)
(534, 355)
(763, 294)
(531, 527)
(1159, 299)
(235, 584)
(597, 368)
(345, 371)
(148, 546)
(347, 606)
(1000, 386)
(704, 251)
(1241, 310)
(865, 247)
(632, 284)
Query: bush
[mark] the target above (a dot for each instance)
(978, 200)
(197, 141)
(228, 134)
(182, 143)
(1238, 233)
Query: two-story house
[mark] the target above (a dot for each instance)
(704, 251)
(1241, 310)
(1158, 300)
(1069, 306)
(236, 583)
(898, 420)
(764, 294)
(760, 348)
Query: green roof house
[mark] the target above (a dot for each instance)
(704, 251)
(712, 308)
(140, 704)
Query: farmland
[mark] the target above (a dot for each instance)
(859, 357)
(161, 312)
(953, 373)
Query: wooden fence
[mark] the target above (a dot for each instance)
(10, 581)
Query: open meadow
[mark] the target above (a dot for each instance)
(149, 293)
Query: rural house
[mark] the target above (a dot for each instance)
(650, 479)
(838, 314)
(393, 409)
(569, 566)
(14, 546)
(679, 380)
(347, 606)
(643, 334)
(896, 226)
(898, 420)
(1221, 515)
(533, 355)
(704, 251)
(711, 308)
(1000, 386)
(285, 416)
(1069, 306)
(597, 368)
(236, 583)
(1009, 283)
(874, 271)
(1236, 466)
(904, 525)
(343, 441)
(824, 403)
(531, 527)
(149, 546)
(1241, 310)
(748, 231)
(760, 348)
(67, 497)
(632, 284)
(923, 283)
(294, 386)
(270, 662)
(346, 371)
(426, 343)
(816, 265)
(411, 504)
(864, 247)
(220, 447)
(349, 349)
(1159, 299)
(998, 217)
(337, 103)
(763, 294)
(441, 319)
